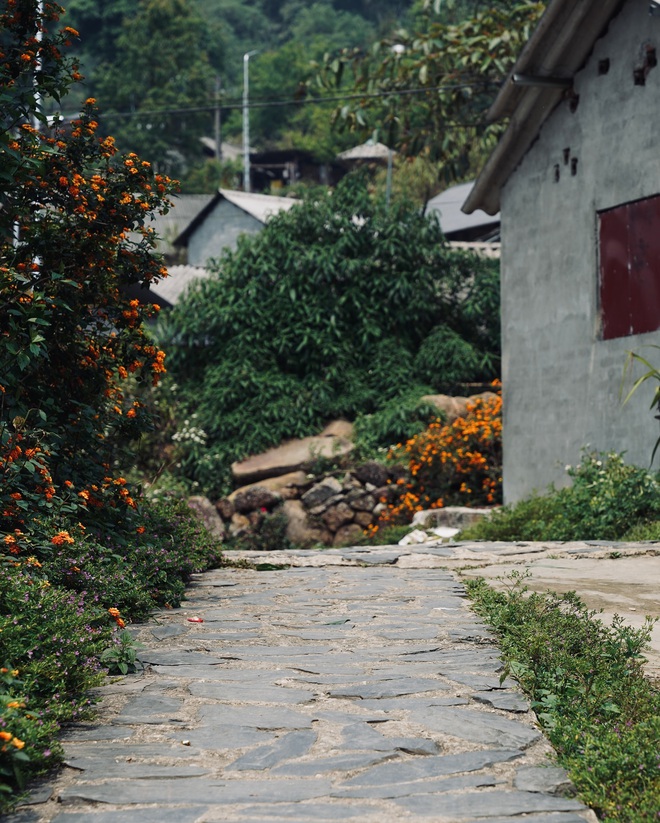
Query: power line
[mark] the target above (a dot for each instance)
(303, 102)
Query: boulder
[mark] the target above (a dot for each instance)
(371, 472)
(364, 503)
(286, 485)
(338, 428)
(454, 517)
(364, 519)
(225, 508)
(208, 514)
(321, 492)
(337, 516)
(294, 455)
(256, 498)
(300, 531)
(454, 407)
(239, 525)
(348, 535)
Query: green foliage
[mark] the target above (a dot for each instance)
(461, 64)
(122, 657)
(145, 77)
(318, 316)
(399, 419)
(651, 373)
(606, 499)
(74, 543)
(588, 689)
(459, 358)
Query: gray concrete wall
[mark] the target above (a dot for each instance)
(220, 230)
(561, 381)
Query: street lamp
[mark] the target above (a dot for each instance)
(246, 121)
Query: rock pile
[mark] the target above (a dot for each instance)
(332, 510)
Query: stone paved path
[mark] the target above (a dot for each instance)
(345, 690)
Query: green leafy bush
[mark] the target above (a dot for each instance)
(322, 315)
(606, 499)
(395, 422)
(588, 688)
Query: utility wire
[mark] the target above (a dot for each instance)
(302, 102)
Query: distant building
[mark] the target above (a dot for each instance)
(227, 216)
(455, 224)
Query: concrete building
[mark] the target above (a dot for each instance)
(227, 216)
(576, 178)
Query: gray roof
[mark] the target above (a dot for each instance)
(448, 206)
(259, 206)
(558, 48)
(171, 288)
(185, 207)
(367, 151)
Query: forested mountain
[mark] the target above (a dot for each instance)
(160, 68)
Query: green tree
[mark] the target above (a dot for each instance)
(457, 68)
(326, 313)
(167, 60)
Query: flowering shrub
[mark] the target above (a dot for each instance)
(73, 237)
(79, 553)
(455, 464)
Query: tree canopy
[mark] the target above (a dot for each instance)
(334, 308)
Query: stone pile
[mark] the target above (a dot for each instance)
(332, 510)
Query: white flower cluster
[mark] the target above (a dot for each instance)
(189, 433)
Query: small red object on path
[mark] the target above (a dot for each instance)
(195, 620)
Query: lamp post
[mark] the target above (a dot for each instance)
(397, 50)
(246, 121)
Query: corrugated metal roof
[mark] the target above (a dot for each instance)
(259, 206)
(367, 151)
(185, 207)
(178, 280)
(559, 47)
(448, 206)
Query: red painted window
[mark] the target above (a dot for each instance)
(630, 268)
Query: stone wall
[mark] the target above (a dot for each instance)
(333, 509)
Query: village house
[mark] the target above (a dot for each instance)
(227, 216)
(576, 178)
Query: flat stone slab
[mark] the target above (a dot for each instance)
(470, 806)
(196, 791)
(506, 701)
(390, 688)
(294, 744)
(255, 717)
(486, 728)
(432, 786)
(162, 815)
(253, 693)
(422, 768)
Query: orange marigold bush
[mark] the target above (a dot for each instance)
(459, 464)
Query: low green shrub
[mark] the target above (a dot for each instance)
(394, 422)
(607, 497)
(587, 685)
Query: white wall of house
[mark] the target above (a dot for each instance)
(561, 380)
(221, 229)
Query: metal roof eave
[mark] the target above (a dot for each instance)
(558, 47)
